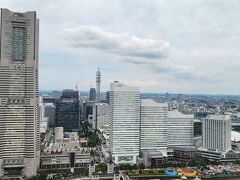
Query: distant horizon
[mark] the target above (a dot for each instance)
(163, 93)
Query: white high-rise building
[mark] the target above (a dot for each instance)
(124, 122)
(217, 132)
(180, 129)
(98, 82)
(153, 131)
(19, 112)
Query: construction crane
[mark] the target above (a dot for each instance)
(76, 86)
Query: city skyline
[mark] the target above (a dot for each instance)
(185, 47)
(143, 118)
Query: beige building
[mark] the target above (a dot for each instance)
(19, 119)
(62, 150)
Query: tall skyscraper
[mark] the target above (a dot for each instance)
(19, 113)
(98, 81)
(124, 122)
(153, 125)
(217, 132)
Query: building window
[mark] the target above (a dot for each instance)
(19, 41)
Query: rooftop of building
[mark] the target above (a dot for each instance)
(58, 142)
(235, 136)
(155, 153)
(185, 148)
(150, 102)
(218, 117)
(101, 104)
(118, 86)
(177, 114)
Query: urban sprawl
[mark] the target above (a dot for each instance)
(118, 134)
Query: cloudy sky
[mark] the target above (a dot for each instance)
(176, 46)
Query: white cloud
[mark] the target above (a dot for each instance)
(121, 44)
(149, 53)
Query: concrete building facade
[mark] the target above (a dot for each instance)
(49, 110)
(19, 113)
(100, 115)
(217, 132)
(217, 139)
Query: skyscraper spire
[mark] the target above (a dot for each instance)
(98, 81)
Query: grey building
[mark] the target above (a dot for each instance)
(197, 127)
(107, 96)
(100, 115)
(217, 138)
(217, 132)
(98, 82)
(92, 94)
(19, 117)
(87, 109)
(184, 154)
(56, 94)
(50, 110)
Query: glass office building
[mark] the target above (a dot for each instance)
(68, 111)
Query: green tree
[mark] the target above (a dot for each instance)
(141, 166)
(128, 166)
(116, 169)
(101, 167)
(135, 166)
(192, 163)
(93, 140)
(39, 177)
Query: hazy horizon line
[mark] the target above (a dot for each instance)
(149, 92)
